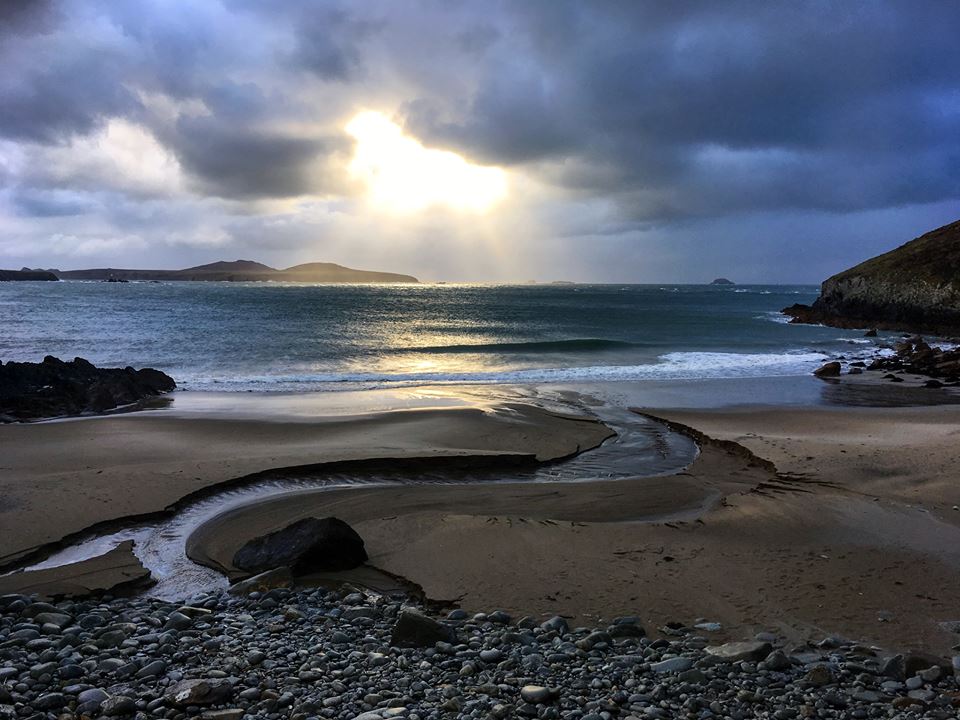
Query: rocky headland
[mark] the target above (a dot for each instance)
(54, 388)
(915, 287)
(27, 274)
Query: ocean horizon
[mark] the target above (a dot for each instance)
(304, 338)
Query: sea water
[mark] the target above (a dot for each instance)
(294, 337)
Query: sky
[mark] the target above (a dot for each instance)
(490, 141)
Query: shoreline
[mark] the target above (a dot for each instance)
(750, 557)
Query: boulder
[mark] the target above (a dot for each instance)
(413, 629)
(830, 369)
(308, 545)
(54, 388)
(201, 691)
(752, 650)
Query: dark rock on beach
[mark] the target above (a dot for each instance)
(54, 388)
(830, 369)
(915, 287)
(413, 629)
(308, 545)
(915, 356)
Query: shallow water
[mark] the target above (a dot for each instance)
(641, 448)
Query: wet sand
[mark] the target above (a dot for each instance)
(805, 521)
(843, 524)
(59, 478)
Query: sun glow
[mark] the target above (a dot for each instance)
(403, 176)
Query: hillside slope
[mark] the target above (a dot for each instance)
(915, 287)
(246, 271)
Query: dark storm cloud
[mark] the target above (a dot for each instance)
(27, 17)
(629, 116)
(642, 99)
(239, 162)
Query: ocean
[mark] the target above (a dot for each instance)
(277, 337)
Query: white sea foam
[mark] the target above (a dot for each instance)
(671, 366)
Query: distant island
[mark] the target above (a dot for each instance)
(722, 281)
(915, 287)
(27, 274)
(224, 271)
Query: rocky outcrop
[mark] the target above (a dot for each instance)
(54, 388)
(915, 287)
(722, 281)
(308, 545)
(916, 357)
(27, 274)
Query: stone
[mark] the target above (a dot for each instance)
(306, 546)
(555, 624)
(353, 613)
(671, 665)
(819, 675)
(203, 691)
(118, 705)
(93, 695)
(777, 661)
(739, 651)
(413, 629)
(227, 714)
(894, 668)
(537, 694)
(281, 577)
(830, 369)
(177, 621)
(53, 618)
(50, 701)
(152, 669)
(594, 639)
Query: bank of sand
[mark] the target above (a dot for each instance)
(59, 478)
(843, 523)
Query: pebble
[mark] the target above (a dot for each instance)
(276, 653)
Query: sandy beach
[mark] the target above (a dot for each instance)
(804, 521)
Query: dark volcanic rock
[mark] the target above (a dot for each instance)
(722, 281)
(308, 545)
(915, 287)
(54, 388)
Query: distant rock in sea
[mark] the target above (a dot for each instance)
(722, 281)
(54, 388)
(26, 274)
(244, 271)
(915, 287)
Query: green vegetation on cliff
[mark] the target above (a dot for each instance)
(915, 287)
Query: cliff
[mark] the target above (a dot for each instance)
(246, 271)
(915, 287)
